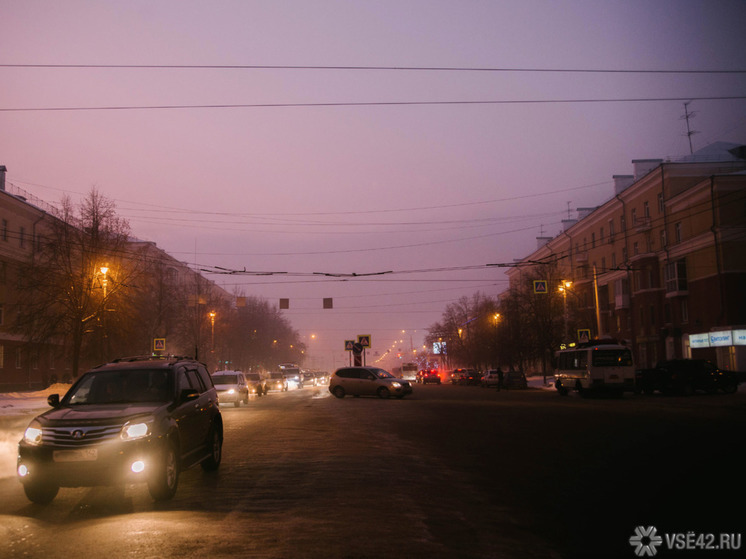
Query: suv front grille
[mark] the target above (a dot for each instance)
(80, 436)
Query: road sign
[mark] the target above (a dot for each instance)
(540, 286)
(349, 345)
(584, 335)
(159, 344)
(364, 340)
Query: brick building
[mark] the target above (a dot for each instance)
(665, 257)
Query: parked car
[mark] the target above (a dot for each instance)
(276, 381)
(367, 381)
(685, 376)
(232, 387)
(514, 379)
(256, 383)
(469, 377)
(431, 377)
(490, 379)
(135, 420)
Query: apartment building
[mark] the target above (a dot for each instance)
(188, 294)
(662, 264)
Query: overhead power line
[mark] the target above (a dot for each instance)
(371, 68)
(371, 104)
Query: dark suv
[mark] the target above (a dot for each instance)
(684, 376)
(132, 420)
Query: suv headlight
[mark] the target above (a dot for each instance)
(32, 434)
(137, 429)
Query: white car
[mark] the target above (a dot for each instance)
(232, 387)
(491, 378)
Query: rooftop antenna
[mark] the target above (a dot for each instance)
(689, 132)
(568, 210)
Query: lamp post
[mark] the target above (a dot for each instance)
(212, 331)
(104, 270)
(566, 284)
(104, 283)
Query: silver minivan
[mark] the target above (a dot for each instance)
(367, 381)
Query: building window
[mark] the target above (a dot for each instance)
(22, 237)
(660, 203)
(603, 264)
(19, 358)
(613, 260)
(593, 240)
(645, 209)
(4, 229)
(601, 238)
(652, 315)
(677, 232)
(635, 248)
(675, 276)
(663, 238)
(624, 254)
(684, 311)
(634, 216)
(611, 230)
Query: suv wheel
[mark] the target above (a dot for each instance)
(216, 451)
(383, 392)
(41, 493)
(163, 483)
(339, 392)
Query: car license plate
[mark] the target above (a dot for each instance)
(77, 455)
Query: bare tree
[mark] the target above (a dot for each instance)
(77, 269)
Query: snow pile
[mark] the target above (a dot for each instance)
(21, 402)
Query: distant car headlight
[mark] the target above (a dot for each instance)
(33, 433)
(133, 430)
(396, 385)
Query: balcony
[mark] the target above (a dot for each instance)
(642, 224)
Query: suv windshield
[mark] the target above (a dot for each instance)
(122, 387)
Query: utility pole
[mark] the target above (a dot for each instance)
(689, 132)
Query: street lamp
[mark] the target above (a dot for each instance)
(566, 284)
(104, 270)
(212, 330)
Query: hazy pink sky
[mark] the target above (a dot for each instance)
(343, 189)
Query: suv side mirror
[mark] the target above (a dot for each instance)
(188, 394)
(54, 400)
